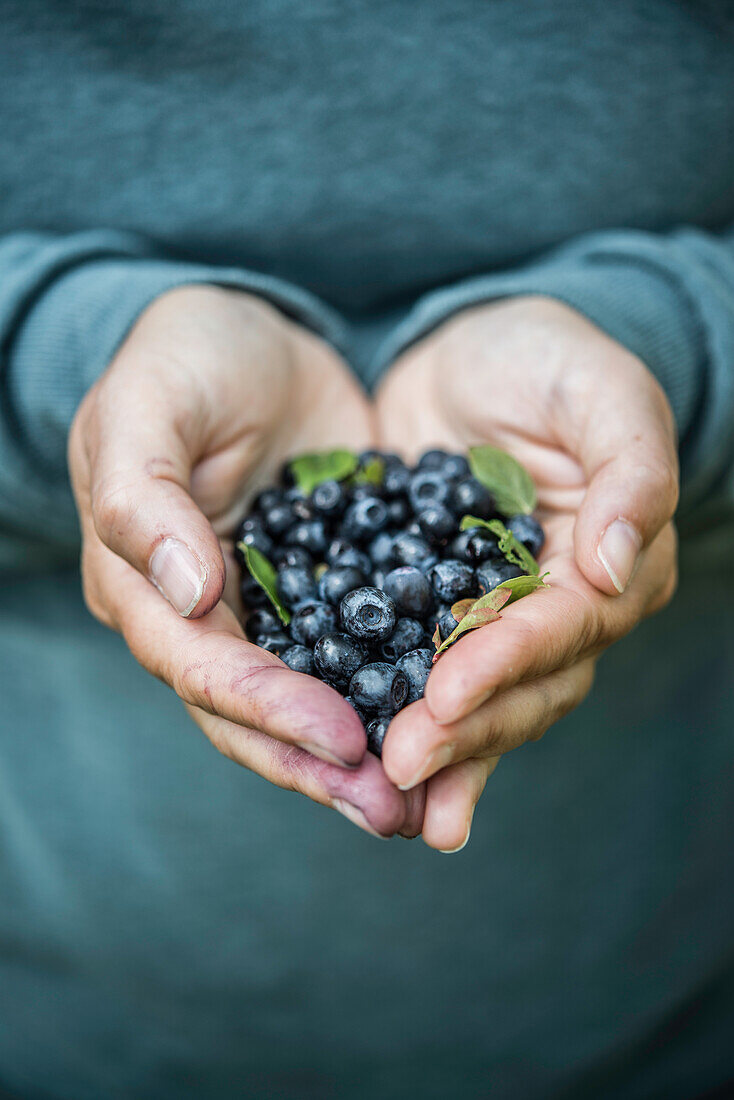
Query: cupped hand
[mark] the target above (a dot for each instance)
(595, 431)
(211, 391)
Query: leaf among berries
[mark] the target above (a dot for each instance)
(264, 573)
(310, 470)
(523, 586)
(514, 551)
(507, 480)
(484, 610)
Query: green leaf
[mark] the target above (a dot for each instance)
(523, 586)
(461, 608)
(371, 473)
(310, 470)
(484, 610)
(264, 573)
(508, 481)
(512, 548)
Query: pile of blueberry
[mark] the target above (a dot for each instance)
(367, 567)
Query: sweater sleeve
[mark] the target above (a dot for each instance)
(668, 298)
(66, 305)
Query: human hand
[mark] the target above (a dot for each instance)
(211, 391)
(595, 431)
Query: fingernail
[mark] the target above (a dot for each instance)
(356, 816)
(618, 550)
(438, 759)
(465, 841)
(178, 575)
(325, 755)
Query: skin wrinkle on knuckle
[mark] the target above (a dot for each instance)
(114, 506)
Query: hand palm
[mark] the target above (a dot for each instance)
(512, 376)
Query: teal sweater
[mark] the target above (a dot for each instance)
(173, 927)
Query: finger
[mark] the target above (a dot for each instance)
(139, 475)
(210, 665)
(628, 452)
(415, 802)
(551, 629)
(364, 795)
(418, 747)
(451, 799)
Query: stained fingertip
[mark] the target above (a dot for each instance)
(415, 802)
(355, 815)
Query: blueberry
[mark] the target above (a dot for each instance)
(408, 634)
(412, 550)
(528, 531)
(381, 551)
(353, 705)
(337, 657)
(337, 581)
(366, 457)
(367, 491)
(293, 555)
(279, 518)
(416, 665)
(275, 642)
(266, 500)
(300, 504)
(262, 621)
(252, 532)
(253, 596)
(341, 552)
(447, 624)
(436, 524)
(298, 658)
(398, 511)
(396, 481)
(364, 518)
(376, 730)
(329, 498)
(250, 524)
(428, 487)
(453, 580)
(390, 459)
(492, 573)
(310, 621)
(470, 498)
(379, 688)
(432, 460)
(368, 614)
(410, 591)
(310, 535)
(378, 578)
(481, 545)
(458, 547)
(295, 584)
(455, 467)
(337, 547)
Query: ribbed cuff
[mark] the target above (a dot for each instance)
(625, 283)
(74, 300)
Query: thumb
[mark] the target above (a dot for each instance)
(629, 456)
(139, 473)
